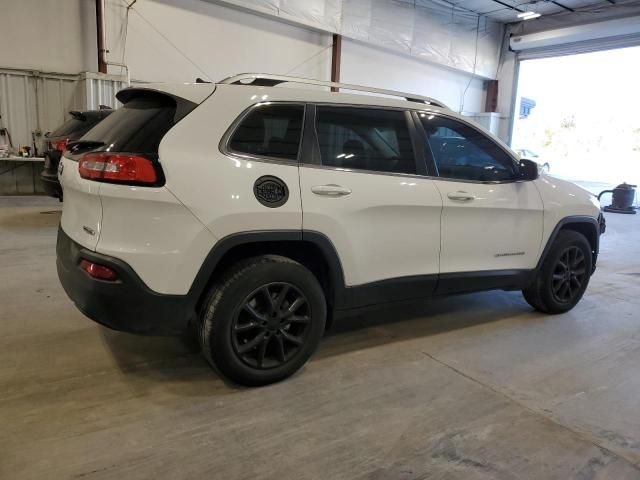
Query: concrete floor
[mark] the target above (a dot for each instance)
(472, 387)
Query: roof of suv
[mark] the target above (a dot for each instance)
(198, 92)
(260, 87)
(266, 80)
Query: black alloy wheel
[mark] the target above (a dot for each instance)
(262, 320)
(560, 282)
(271, 325)
(569, 274)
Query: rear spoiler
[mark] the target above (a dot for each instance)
(78, 115)
(184, 103)
(193, 92)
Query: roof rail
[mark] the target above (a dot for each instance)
(267, 80)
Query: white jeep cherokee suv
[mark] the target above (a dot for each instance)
(254, 212)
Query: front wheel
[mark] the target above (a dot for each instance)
(263, 320)
(563, 278)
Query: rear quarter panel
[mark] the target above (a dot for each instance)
(218, 188)
(151, 230)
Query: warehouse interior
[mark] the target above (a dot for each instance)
(472, 386)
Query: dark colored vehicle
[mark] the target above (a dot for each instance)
(73, 129)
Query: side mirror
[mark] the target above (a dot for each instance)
(528, 169)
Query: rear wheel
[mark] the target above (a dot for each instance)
(564, 276)
(263, 320)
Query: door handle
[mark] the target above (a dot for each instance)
(330, 190)
(461, 196)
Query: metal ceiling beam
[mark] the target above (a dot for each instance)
(457, 6)
(568, 9)
(508, 6)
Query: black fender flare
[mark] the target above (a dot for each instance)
(223, 246)
(583, 219)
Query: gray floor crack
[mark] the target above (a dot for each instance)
(538, 413)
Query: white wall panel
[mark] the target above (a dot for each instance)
(391, 25)
(220, 41)
(231, 41)
(324, 12)
(428, 29)
(366, 65)
(432, 35)
(179, 40)
(48, 35)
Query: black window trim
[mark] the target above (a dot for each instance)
(431, 164)
(225, 141)
(309, 148)
(311, 157)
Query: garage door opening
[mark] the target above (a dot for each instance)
(579, 116)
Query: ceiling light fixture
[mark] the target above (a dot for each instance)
(528, 15)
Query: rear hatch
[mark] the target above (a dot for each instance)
(73, 129)
(123, 150)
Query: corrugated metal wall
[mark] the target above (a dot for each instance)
(34, 103)
(100, 89)
(39, 102)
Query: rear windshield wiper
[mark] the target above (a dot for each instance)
(78, 147)
(83, 144)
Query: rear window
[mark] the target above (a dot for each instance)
(137, 127)
(74, 127)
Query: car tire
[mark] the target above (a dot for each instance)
(564, 275)
(263, 320)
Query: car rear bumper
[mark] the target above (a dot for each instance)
(126, 304)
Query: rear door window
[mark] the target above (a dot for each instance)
(270, 131)
(365, 139)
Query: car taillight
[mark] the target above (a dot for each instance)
(98, 271)
(118, 167)
(60, 145)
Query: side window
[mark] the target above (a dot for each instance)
(364, 139)
(463, 153)
(270, 131)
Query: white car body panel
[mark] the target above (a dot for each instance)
(563, 199)
(387, 227)
(152, 231)
(148, 228)
(500, 229)
(82, 208)
(225, 207)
